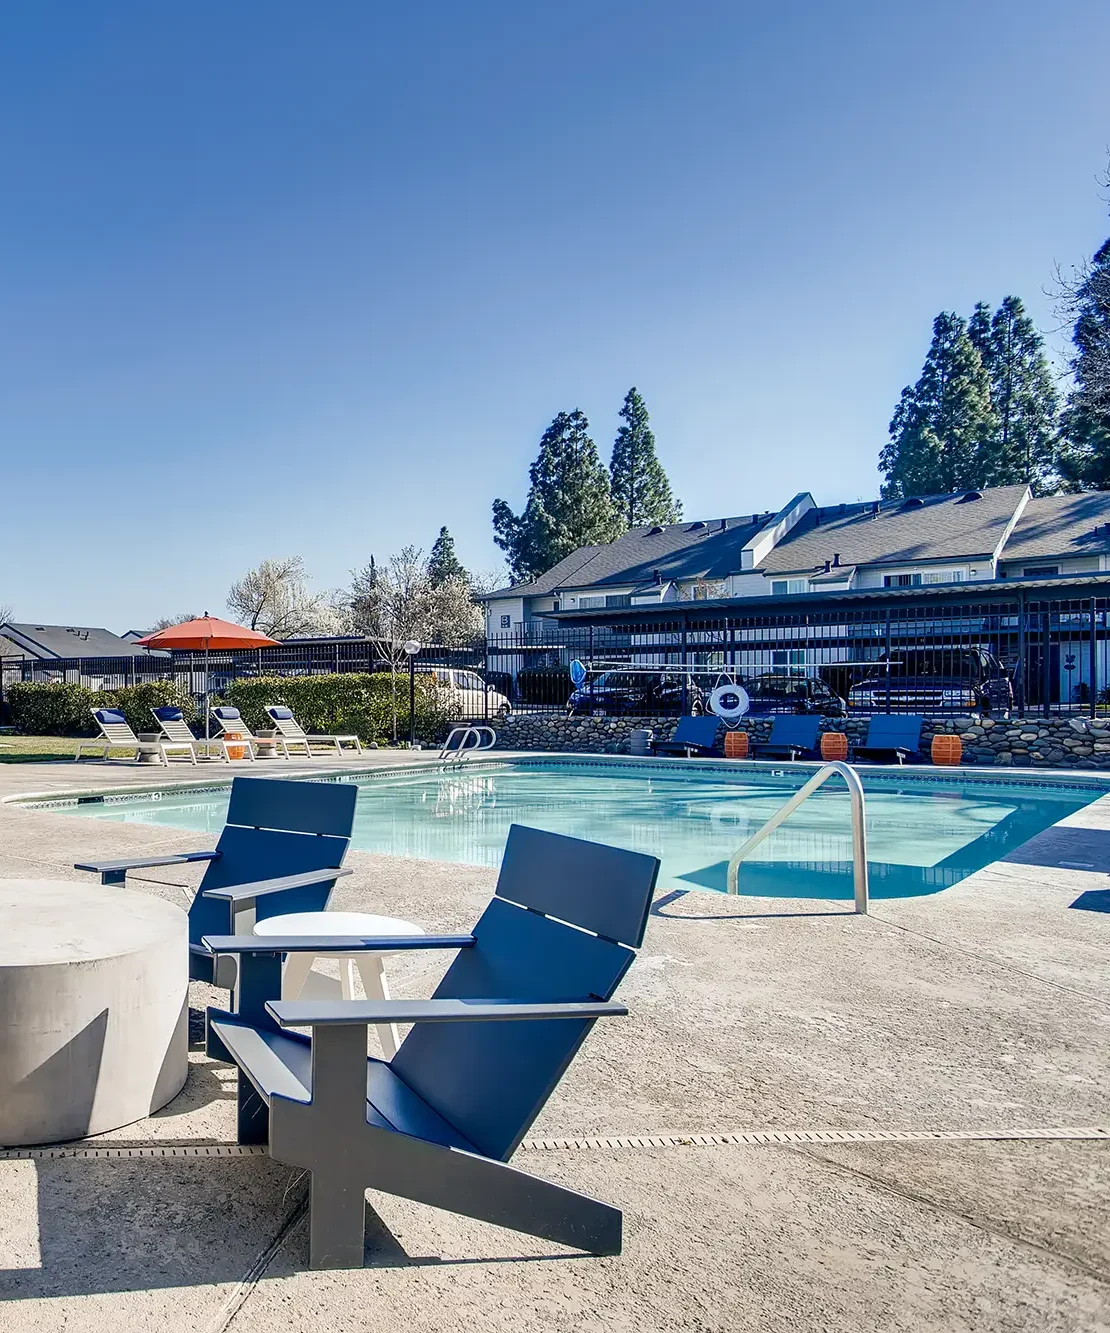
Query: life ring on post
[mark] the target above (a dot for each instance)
(730, 702)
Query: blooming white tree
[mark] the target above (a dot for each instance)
(399, 601)
(275, 599)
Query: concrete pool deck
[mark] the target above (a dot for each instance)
(978, 1011)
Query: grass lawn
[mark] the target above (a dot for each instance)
(39, 749)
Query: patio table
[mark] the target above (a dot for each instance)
(371, 970)
(93, 1008)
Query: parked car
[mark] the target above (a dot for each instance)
(928, 680)
(466, 694)
(637, 694)
(782, 693)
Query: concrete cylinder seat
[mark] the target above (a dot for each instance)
(93, 1008)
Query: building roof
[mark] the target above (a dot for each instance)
(49, 642)
(698, 549)
(892, 532)
(1062, 525)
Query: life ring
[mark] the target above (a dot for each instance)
(729, 702)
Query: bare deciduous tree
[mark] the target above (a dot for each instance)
(274, 599)
(6, 612)
(167, 621)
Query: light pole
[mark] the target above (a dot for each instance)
(412, 647)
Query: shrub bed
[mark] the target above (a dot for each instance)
(58, 709)
(349, 702)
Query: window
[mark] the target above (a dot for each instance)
(928, 576)
(590, 603)
(506, 622)
(783, 659)
(786, 587)
(618, 599)
(1040, 571)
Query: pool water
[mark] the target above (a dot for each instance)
(923, 834)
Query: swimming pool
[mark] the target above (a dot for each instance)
(926, 831)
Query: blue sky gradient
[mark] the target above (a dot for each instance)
(306, 279)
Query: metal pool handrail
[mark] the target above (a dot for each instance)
(859, 828)
(461, 750)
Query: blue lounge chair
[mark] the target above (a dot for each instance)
(296, 831)
(793, 736)
(692, 735)
(440, 1121)
(891, 738)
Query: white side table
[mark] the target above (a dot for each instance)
(371, 969)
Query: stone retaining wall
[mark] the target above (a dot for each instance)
(1058, 742)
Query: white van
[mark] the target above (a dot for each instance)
(466, 693)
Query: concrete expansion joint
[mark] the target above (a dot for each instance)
(737, 1138)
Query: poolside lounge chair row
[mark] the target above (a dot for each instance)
(891, 738)
(176, 739)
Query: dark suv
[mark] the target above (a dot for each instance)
(636, 694)
(782, 693)
(928, 680)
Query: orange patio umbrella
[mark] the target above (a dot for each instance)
(207, 632)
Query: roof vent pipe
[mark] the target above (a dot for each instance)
(657, 575)
(875, 507)
(828, 566)
(836, 560)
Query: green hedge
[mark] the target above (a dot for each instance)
(351, 702)
(66, 710)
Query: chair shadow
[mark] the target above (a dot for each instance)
(1065, 847)
(1094, 900)
(675, 894)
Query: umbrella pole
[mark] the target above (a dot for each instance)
(206, 732)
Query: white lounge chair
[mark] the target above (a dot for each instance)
(116, 734)
(230, 719)
(176, 729)
(293, 733)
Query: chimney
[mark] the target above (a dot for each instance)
(836, 560)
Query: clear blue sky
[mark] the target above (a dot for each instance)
(284, 277)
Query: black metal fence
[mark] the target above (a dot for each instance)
(1034, 656)
(1015, 654)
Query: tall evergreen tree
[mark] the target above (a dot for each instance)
(641, 491)
(979, 330)
(1024, 403)
(443, 563)
(569, 504)
(940, 424)
(1085, 460)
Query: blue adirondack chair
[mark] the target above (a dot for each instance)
(792, 735)
(891, 738)
(439, 1123)
(296, 831)
(692, 735)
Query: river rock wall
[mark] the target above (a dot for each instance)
(1056, 742)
